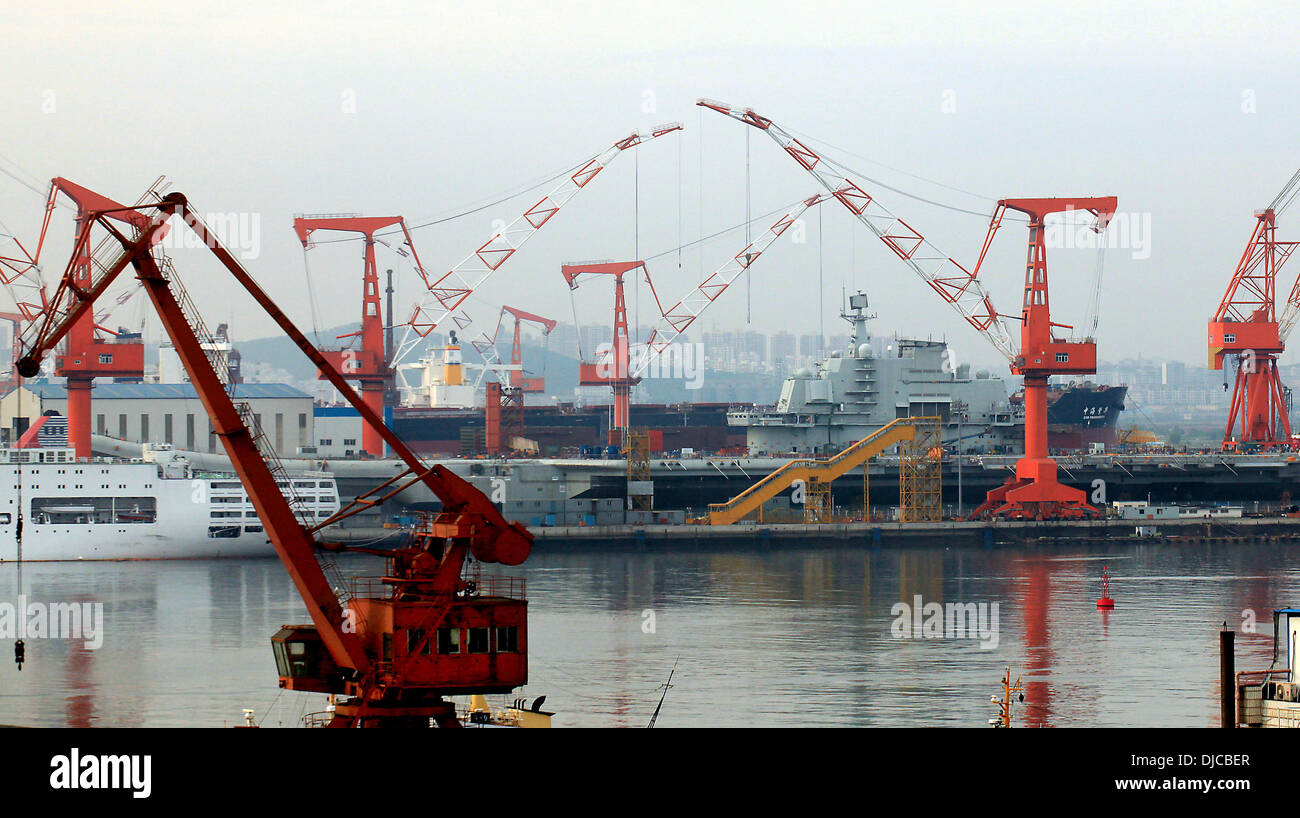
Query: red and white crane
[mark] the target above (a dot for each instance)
(1034, 491)
(85, 356)
(947, 277)
(487, 347)
(1246, 326)
(445, 296)
(622, 365)
(370, 363)
(676, 319)
(612, 369)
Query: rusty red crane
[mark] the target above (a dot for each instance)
(504, 400)
(369, 364)
(517, 377)
(391, 644)
(1034, 491)
(1246, 326)
(446, 295)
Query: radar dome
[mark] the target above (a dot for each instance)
(864, 350)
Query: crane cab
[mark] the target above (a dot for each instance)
(303, 662)
(473, 641)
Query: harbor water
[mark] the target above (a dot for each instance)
(789, 636)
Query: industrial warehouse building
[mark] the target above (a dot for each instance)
(166, 413)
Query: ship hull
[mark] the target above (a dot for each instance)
(1079, 416)
(460, 432)
(128, 511)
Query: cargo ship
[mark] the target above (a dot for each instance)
(1081, 414)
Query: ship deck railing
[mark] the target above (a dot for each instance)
(1254, 687)
(480, 587)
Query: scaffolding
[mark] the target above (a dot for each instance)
(512, 415)
(818, 475)
(817, 501)
(920, 474)
(640, 489)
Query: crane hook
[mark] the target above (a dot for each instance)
(20, 654)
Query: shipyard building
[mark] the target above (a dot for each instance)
(166, 413)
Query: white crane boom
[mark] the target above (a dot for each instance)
(445, 296)
(953, 282)
(675, 320)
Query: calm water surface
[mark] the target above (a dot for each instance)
(763, 637)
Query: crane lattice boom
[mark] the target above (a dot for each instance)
(675, 320)
(953, 282)
(446, 295)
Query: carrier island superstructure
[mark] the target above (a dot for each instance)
(855, 391)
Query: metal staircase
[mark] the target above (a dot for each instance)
(817, 475)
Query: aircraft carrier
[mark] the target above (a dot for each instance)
(856, 391)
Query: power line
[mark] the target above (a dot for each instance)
(973, 194)
(468, 212)
(723, 231)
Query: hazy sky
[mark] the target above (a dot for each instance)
(1187, 112)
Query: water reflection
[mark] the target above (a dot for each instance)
(793, 636)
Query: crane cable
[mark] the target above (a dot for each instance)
(573, 302)
(1094, 306)
(506, 196)
(20, 647)
(311, 299)
(546, 353)
(1094, 314)
(1288, 195)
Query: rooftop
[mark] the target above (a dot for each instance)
(163, 391)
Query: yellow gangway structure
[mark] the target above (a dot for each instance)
(817, 475)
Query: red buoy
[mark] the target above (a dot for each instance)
(1105, 602)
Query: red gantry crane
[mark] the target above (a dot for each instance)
(370, 363)
(1034, 492)
(504, 403)
(620, 367)
(1246, 327)
(613, 370)
(85, 356)
(394, 645)
(486, 347)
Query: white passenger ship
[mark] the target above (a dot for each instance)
(158, 507)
